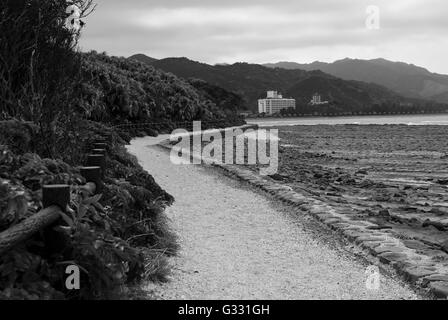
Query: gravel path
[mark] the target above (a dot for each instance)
(238, 244)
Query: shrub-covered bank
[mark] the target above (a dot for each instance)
(54, 102)
(116, 238)
(124, 91)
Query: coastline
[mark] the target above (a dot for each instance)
(421, 262)
(238, 243)
(393, 119)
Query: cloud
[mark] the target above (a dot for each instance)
(259, 30)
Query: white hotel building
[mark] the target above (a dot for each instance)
(274, 103)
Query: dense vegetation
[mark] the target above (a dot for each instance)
(116, 238)
(117, 90)
(54, 102)
(226, 101)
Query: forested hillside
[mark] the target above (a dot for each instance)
(405, 79)
(251, 81)
(117, 90)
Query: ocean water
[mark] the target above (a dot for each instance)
(417, 120)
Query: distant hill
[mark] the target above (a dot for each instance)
(406, 79)
(143, 58)
(345, 95)
(251, 81)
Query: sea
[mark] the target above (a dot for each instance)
(411, 120)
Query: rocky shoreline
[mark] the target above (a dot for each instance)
(360, 204)
(418, 269)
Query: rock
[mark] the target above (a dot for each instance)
(379, 227)
(439, 211)
(323, 216)
(141, 134)
(435, 255)
(392, 257)
(371, 245)
(352, 234)
(278, 177)
(318, 175)
(152, 132)
(414, 244)
(439, 289)
(386, 248)
(342, 225)
(444, 246)
(384, 213)
(435, 224)
(382, 197)
(415, 273)
(434, 277)
(369, 238)
(332, 221)
(410, 208)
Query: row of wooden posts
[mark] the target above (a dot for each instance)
(56, 198)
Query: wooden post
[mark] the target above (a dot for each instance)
(56, 195)
(100, 140)
(99, 151)
(93, 174)
(97, 160)
(107, 137)
(100, 145)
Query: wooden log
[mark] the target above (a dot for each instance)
(54, 195)
(27, 228)
(93, 175)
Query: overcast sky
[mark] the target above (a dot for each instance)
(259, 31)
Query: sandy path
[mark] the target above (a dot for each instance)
(238, 244)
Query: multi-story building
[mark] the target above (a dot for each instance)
(317, 100)
(274, 103)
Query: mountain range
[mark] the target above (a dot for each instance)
(251, 81)
(405, 79)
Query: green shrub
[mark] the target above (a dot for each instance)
(18, 135)
(112, 237)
